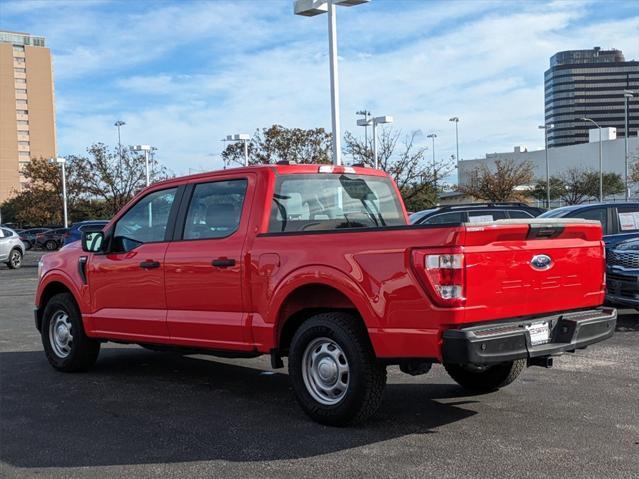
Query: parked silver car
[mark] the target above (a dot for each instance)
(11, 248)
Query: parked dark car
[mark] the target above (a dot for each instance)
(75, 232)
(28, 236)
(474, 212)
(51, 240)
(620, 221)
(622, 278)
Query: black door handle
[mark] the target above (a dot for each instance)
(149, 264)
(223, 262)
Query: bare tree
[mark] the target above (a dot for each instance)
(501, 183)
(406, 162)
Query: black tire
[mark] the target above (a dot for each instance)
(82, 350)
(51, 245)
(15, 259)
(366, 377)
(486, 380)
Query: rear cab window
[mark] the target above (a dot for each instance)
(325, 202)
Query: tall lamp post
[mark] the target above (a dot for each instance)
(147, 150)
(310, 8)
(365, 122)
(118, 124)
(600, 157)
(244, 138)
(378, 120)
(60, 161)
(432, 136)
(627, 94)
(546, 128)
(456, 120)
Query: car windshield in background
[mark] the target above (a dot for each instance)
(331, 202)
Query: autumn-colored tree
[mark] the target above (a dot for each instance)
(502, 183)
(277, 143)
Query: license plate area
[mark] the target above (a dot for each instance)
(539, 333)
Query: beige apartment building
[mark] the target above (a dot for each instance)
(27, 112)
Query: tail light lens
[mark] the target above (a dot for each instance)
(442, 273)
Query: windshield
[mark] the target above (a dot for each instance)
(330, 202)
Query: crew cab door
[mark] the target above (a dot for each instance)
(127, 281)
(204, 266)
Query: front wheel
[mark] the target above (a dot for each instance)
(51, 245)
(66, 345)
(335, 375)
(15, 259)
(488, 378)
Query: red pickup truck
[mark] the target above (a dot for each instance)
(317, 263)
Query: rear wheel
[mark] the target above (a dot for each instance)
(66, 345)
(335, 375)
(485, 379)
(51, 245)
(15, 259)
(27, 245)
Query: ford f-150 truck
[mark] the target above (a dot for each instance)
(318, 264)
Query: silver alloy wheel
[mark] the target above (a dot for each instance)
(325, 371)
(50, 245)
(61, 334)
(16, 259)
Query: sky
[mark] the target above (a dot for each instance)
(184, 74)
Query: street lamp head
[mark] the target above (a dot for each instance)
(364, 122)
(142, 148)
(237, 137)
(455, 119)
(383, 119)
(311, 8)
(628, 93)
(432, 135)
(119, 123)
(58, 160)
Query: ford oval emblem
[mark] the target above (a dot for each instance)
(541, 262)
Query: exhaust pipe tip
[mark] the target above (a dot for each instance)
(543, 362)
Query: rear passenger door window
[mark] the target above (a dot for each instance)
(215, 209)
(517, 214)
(599, 214)
(445, 218)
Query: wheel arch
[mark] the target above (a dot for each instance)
(49, 289)
(306, 296)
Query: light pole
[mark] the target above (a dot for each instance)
(546, 128)
(433, 136)
(146, 149)
(456, 120)
(600, 158)
(60, 161)
(366, 122)
(310, 8)
(244, 138)
(627, 94)
(379, 120)
(118, 124)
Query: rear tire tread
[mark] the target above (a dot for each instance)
(495, 377)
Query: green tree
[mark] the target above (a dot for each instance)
(502, 183)
(580, 185)
(277, 143)
(557, 188)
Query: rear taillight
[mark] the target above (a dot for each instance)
(442, 273)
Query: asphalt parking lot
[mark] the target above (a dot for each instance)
(144, 414)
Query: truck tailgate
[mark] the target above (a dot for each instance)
(523, 268)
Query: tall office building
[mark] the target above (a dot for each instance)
(591, 84)
(27, 113)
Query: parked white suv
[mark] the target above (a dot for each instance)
(11, 248)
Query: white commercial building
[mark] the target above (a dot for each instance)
(583, 156)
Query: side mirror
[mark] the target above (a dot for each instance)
(92, 241)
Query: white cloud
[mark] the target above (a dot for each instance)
(421, 62)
